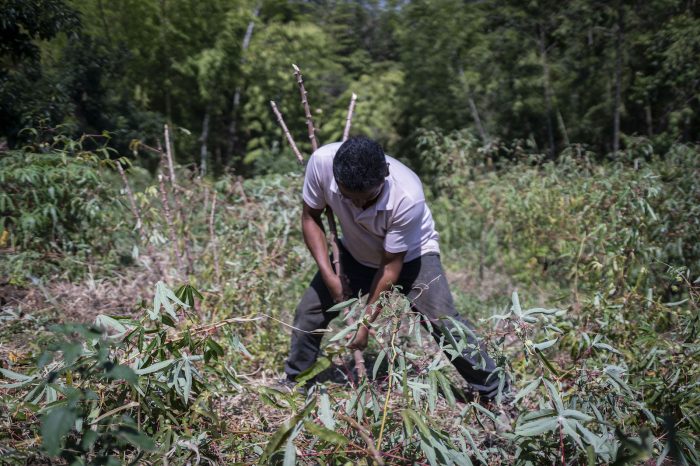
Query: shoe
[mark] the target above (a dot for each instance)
(287, 385)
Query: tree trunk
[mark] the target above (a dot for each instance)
(236, 102)
(649, 120)
(203, 147)
(547, 92)
(475, 113)
(619, 38)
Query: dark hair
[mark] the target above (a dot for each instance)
(360, 164)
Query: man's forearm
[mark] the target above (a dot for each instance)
(387, 276)
(315, 240)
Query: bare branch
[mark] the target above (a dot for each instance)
(178, 204)
(213, 240)
(348, 119)
(169, 219)
(365, 436)
(280, 120)
(307, 110)
(168, 151)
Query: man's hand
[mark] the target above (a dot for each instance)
(339, 288)
(361, 339)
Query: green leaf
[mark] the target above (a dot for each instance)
(325, 434)
(280, 436)
(377, 363)
(119, 371)
(154, 367)
(545, 344)
(606, 347)
(54, 426)
(340, 306)
(578, 415)
(417, 420)
(344, 332)
(534, 428)
(446, 388)
(319, 366)
(527, 390)
(546, 362)
(15, 375)
(554, 393)
(325, 413)
(290, 452)
(136, 438)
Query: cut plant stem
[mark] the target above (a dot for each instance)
(169, 219)
(176, 198)
(307, 110)
(348, 119)
(365, 436)
(292, 144)
(212, 235)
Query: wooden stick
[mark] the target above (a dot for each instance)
(178, 204)
(168, 150)
(365, 436)
(169, 219)
(307, 110)
(212, 235)
(280, 120)
(348, 119)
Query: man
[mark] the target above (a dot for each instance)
(389, 239)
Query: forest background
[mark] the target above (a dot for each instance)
(557, 142)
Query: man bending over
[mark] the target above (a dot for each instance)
(389, 239)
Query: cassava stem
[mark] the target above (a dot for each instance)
(348, 119)
(290, 139)
(178, 204)
(307, 110)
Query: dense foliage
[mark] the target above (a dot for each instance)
(145, 318)
(553, 73)
(604, 359)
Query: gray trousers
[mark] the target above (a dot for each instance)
(423, 281)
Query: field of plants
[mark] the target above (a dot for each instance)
(154, 331)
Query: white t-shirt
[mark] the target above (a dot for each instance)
(399, 221)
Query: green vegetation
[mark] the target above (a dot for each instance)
(606, 372)
(546, 72)
(145, 313)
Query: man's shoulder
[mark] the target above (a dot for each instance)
(325, 153)
(407, 183)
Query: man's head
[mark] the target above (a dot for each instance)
(360, 165)
(359, 168)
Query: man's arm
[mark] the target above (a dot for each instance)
(315, 239)
(387, 275)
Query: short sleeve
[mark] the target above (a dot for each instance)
(405, 230)
(313, 192)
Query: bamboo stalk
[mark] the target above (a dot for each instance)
(348, 119)
(169, 219)
(290, 139)
(307, 110)
(212, 235)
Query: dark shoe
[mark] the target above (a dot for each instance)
(287, 385)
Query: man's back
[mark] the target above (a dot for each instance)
(398, 221)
